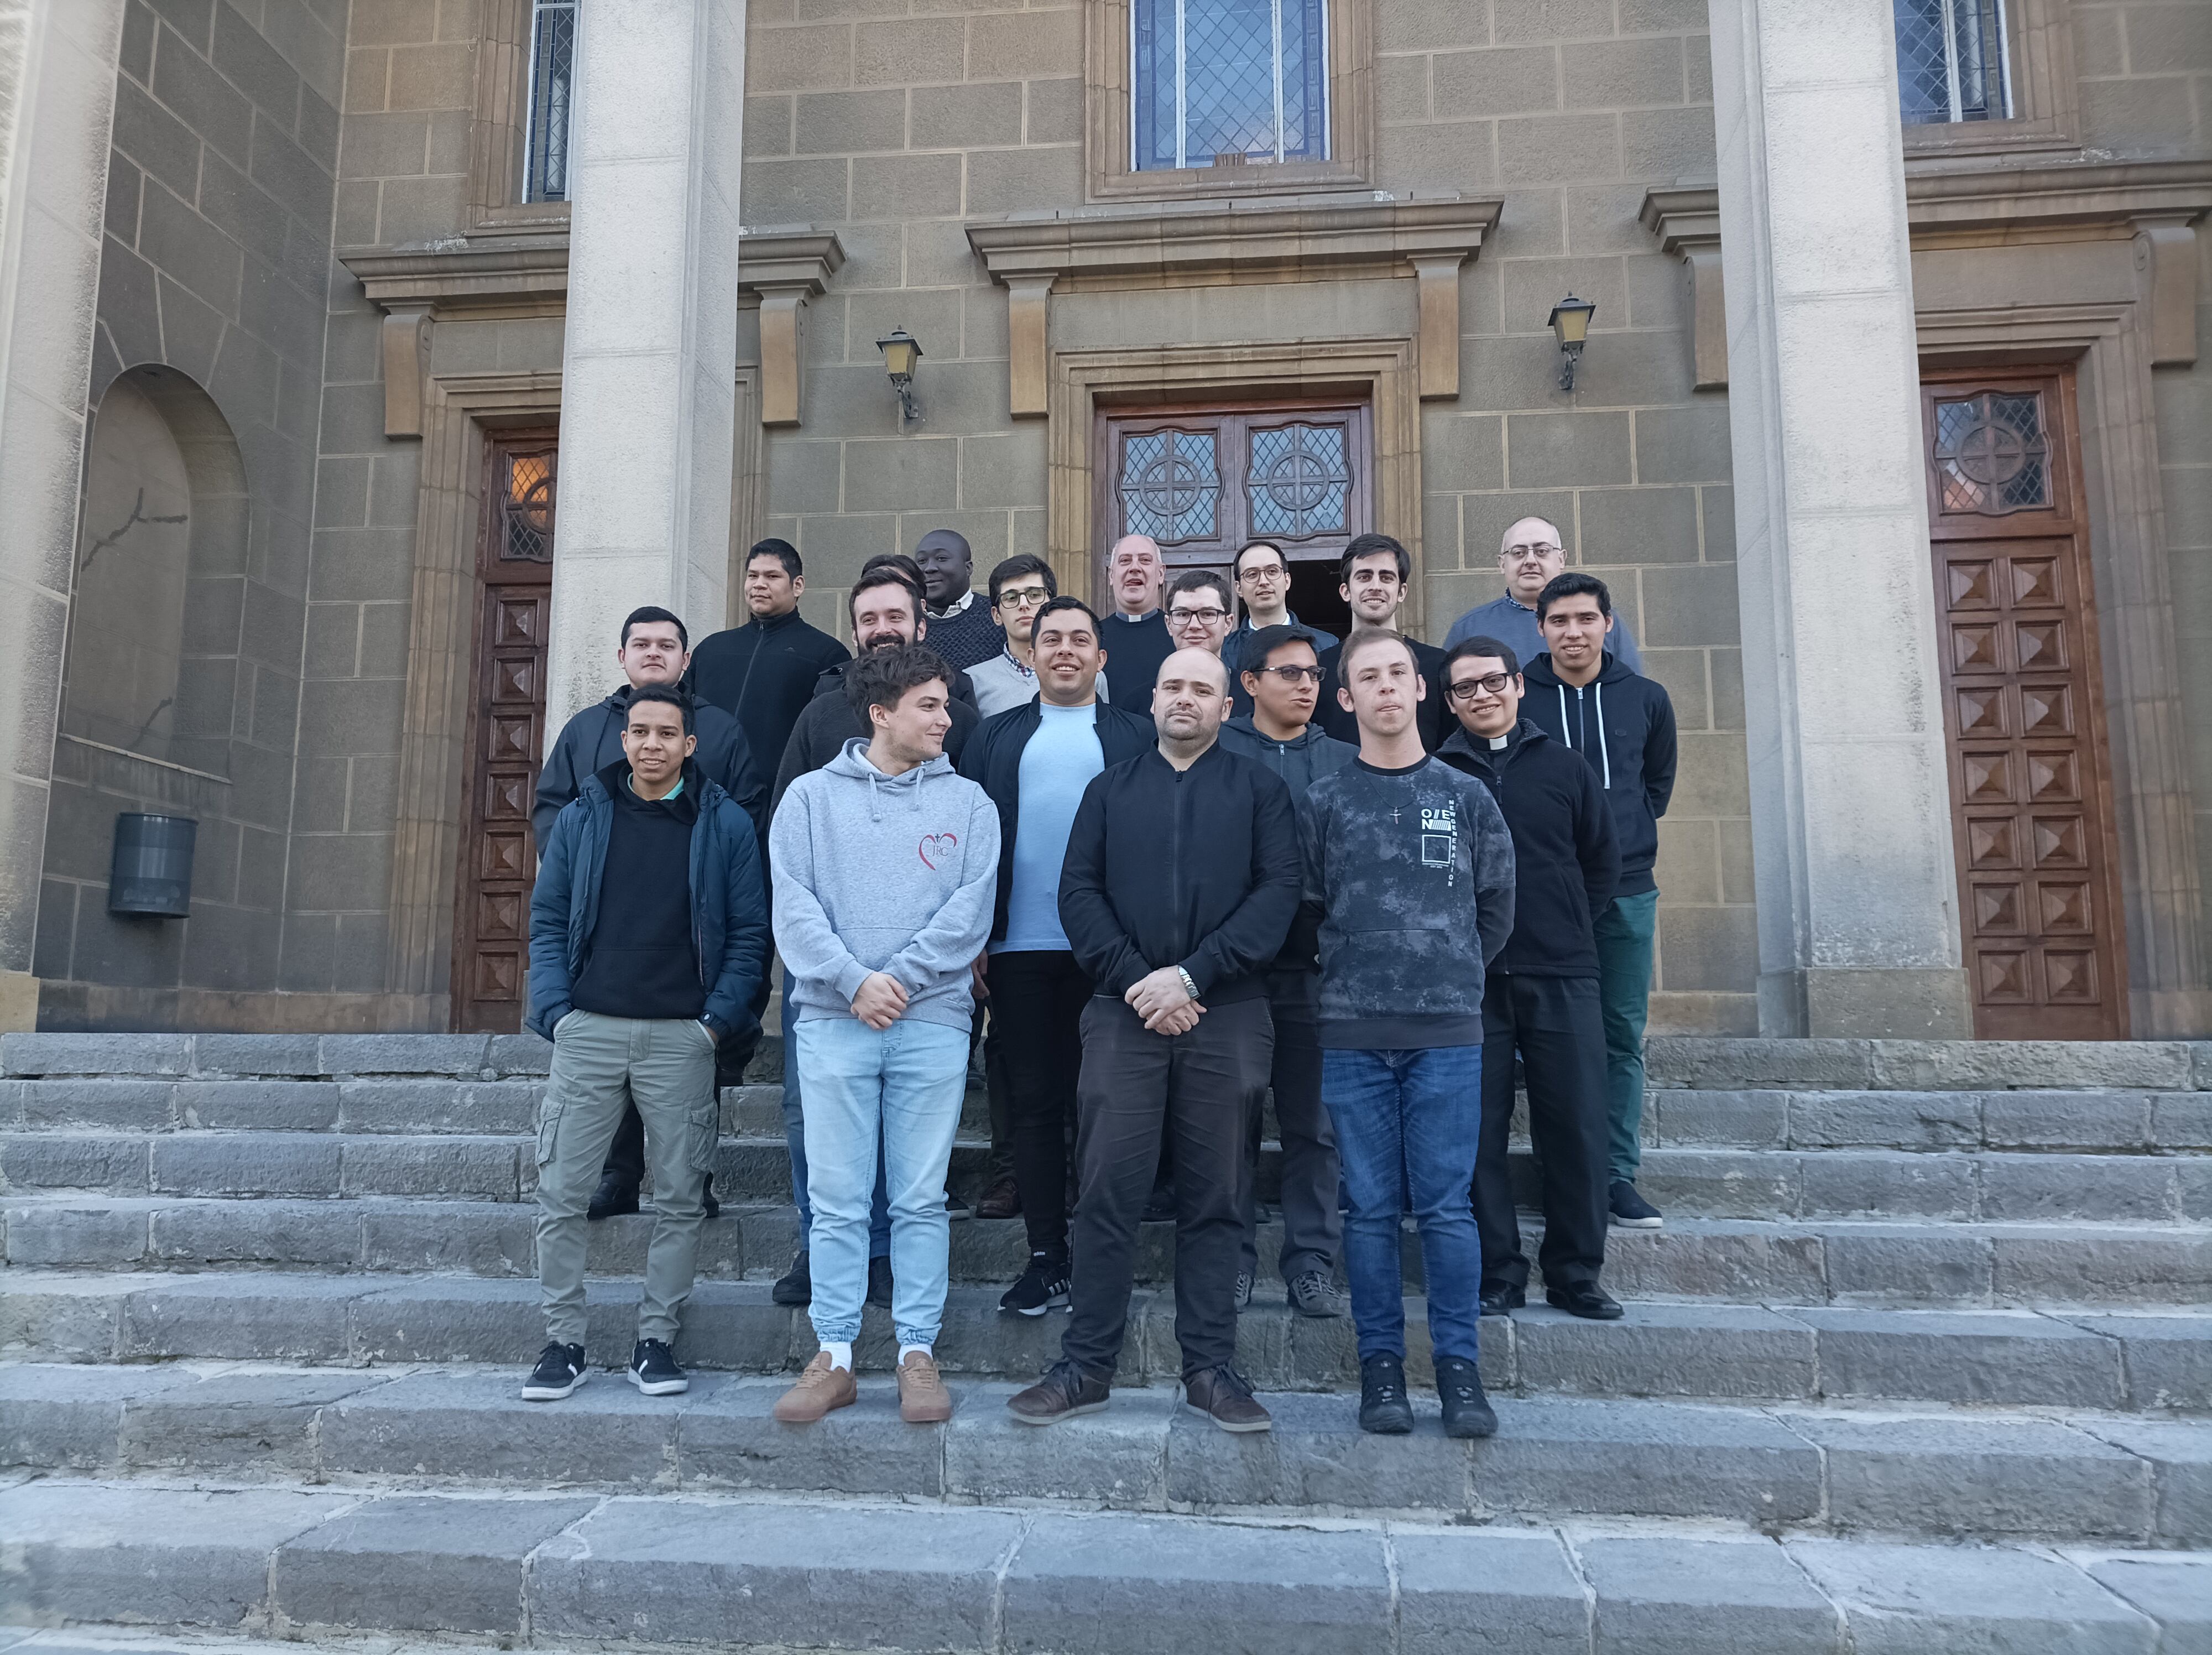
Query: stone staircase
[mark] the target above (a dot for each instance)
(1922, 1359)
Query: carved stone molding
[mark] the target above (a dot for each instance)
(1212, 244)
(1688, 225)
(779, 268)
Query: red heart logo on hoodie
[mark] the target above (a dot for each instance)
(936, 844)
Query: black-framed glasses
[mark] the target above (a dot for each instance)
(1294, 676)
(1027, 597)
(1542, 549)
(1490, 684)
(1185, 617)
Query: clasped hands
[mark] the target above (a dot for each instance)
(1166, 1005)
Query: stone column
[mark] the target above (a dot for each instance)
(1858, 924)
(58, 60)
(648, 376)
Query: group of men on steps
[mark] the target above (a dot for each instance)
(1162, 865)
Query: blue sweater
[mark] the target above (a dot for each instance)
(1513, 624)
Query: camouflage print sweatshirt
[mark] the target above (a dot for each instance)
(1412, 870)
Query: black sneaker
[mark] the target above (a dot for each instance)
(1243, 1290)
(1502, 1299)
(654, 1371)
(1384, 1408)
(1043, 1287)
(880, 1283)
(1629, 1210)
(615, 1196)
(1160, 1205)
(560, 1370)
(1467, 1410)
(796, 1286)
(955, 1209)
(1064, 1391)
(712, 1207)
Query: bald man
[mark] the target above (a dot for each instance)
(962, 629)
(1180, 881)
(1530, 554)
(1134, 632)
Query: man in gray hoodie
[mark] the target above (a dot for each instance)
(885, 865)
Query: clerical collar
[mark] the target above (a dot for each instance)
(1498, 741)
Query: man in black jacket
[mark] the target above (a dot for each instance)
(1540, 996)
(763, 673)
(1035, 761)
(654, 649)
(1180, 881)
(1623, 724)
(1374, 577)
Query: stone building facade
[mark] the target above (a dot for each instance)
(297, 345)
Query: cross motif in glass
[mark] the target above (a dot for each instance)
(526, 509)
(1991, 454)
(1299, 481)
(1171, 485)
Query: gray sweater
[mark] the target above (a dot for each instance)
(876, 873)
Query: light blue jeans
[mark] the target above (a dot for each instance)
(899, 1087)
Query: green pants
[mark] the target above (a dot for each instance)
(600, 1065)
(1624, 993)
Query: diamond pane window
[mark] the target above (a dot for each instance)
(1244, 79)
(1992, 454)
(527, 509)
(1171, 485)
(552, 66)
(1951, 61)
(1298, 482)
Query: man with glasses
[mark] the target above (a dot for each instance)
(1020, 586)
(1373, 577)
(1539, 999)
(1135, 633)
(1200, 610)
(1262, 580)
(1530, 556)
(1282, 684)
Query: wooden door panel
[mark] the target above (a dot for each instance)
(2031, 792)
(498, 855)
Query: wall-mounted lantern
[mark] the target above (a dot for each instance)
(901, 352)
(1570, 320)
(151, 870)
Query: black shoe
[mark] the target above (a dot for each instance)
(796, 1286)
(1629, 1210)
(1467, 1410)
(615, 1195)
(957, 1209)
(880, 1283)
(1043, 1287)
(1243, 1290)
(1497, 1301)
(560, 1370)
(1384, 1408)
(1064, 1391)
(1586, 1300)
(1314, 1295)
(1224, 1395)
(654, 1371)
(713, 1208)
(1001, 1200)
(1160, 1205)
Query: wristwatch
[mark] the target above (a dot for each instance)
(1188, 987)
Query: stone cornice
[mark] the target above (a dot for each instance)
(468, 276)
(1683, 219)
(787, 255)
(1688, 223)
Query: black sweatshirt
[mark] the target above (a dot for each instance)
(1433, 714)
(829, 722)
(764, 674)
(642, 962)
(1412, 872)
(1134, 650)
(1623, 724)
(1197, 869)
(1566, 858)
(592, 741)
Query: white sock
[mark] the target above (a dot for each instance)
(907, 1350)
(840, 1353)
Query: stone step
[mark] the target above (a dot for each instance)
(2092, 1357)
(549, 1571)
(1791, 1261)
(2084, 1477)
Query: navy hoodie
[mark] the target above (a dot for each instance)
(1566, 859)
(1623, 724)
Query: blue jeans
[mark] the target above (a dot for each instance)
(1409, 1121)
(794, 1141)
(880, 1104)
(1624, 935)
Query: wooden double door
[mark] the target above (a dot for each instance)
(507, 732)
(2023, 709)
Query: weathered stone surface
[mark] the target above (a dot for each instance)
(1885, 1120)
(1993, 1356)
(1677, 1350)
(2166, 1359)
(1748, 1120)
(2087, 1266)
(460, 1055)
(725, 1438)
(1701, 1061)
(288, 1234)
(447, 1319)
(1718, 1259)
(2175, 1591)
(124, 1105)
(252, 1424)
(485, 1108)
(288, 1054)
(56, 1417)
(2181, 1119)
(277, 1318)
(1908, 1264)
(1118, 1459)
(1317, 1455)
(1722, 1183)
(1872, 1183)
(1644, 1459)
(467, 1426)
(260, 1105)
(95, 1054)
(482, 1168)
(496, 1238)
(1668, 1597)
(2103, 1189)
(246, 1164)
(2179, 1455)
(66, 1318)
(2070, 1120)
(69, 1160)
(1904, 1598)
(103, 1235)
(1487, 1588)
(519, 1053)
(419, 1563)
(1943, 1065)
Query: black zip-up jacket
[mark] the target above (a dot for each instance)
(1566, 858)
(1197, 869)
(1623, 724)
(829, 722)
(1433, 714)
(993, 760)
(762, 674)
(592, 741)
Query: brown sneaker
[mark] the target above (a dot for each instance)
(1064, 1392)
(1001, 1200)
(923, 1399)
(820, 1389)
(1222, 1396)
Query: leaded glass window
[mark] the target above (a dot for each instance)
(1246, 79)
(1952, 64)
(1171, 486)
(1992, 454)
(1299, 481)
(552, 68)
(526, 506)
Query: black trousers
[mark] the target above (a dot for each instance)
(626, 1154)
(1000, 1093)
(1198, 1090)
(1313, 1224)
(1037, 999)
(1553, 1023)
